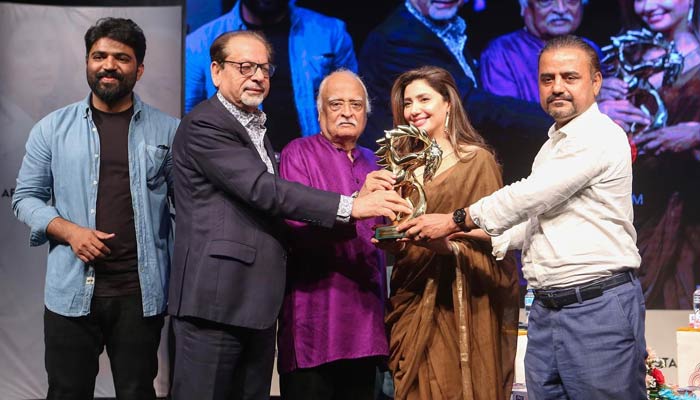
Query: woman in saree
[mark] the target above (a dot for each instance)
(453, 309)
(667, 165)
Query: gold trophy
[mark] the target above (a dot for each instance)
(403, 164)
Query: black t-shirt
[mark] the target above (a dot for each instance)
(117, 274)
(279, 106)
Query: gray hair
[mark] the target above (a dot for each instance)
(322, 86)
(524, 4)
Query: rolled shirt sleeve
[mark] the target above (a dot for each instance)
(33, 191)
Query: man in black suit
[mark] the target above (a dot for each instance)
(228, 274)
(428, 32)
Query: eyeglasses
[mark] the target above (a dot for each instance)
(549, 3)
(248, 68)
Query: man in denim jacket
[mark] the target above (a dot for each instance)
(94, 183)
(308, 46)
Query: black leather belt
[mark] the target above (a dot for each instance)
(558, 298)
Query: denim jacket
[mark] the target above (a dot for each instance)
(59, 178)
(318, 45)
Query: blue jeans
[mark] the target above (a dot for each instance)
(590, 350)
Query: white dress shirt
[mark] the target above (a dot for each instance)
(573, 215)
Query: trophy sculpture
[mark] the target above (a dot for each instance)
(626, 59)
(403, 166)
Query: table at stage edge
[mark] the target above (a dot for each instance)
(688, 361)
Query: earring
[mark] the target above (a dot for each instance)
(447, 122)
(691, 14)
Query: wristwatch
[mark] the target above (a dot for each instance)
(459, 216)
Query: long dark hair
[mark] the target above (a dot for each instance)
(460, 131)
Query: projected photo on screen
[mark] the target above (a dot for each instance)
(654, 68)
(651, 54)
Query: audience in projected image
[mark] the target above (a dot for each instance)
(306, 46)
(509, 63)
(667, 165)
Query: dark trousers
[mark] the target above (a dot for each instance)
(221, 362)
(338, 380)
(74, 344)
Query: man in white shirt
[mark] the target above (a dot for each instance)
(573, 219)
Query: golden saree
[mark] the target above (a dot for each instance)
(452, 318)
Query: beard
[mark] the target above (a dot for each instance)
(441, 14)
(111, 93)
(561, 113)
(252, 100)
(267, 9)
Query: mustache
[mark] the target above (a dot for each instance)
(349, 121)
(254, 86)
(110, 74)
(555, 98)
(551, 17)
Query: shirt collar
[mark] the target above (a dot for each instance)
(355, 152)
(138, 105)
(246, 118)
(578, 125)
(452, 28)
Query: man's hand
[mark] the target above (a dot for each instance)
(381, 203)
(429, 227)
(86, 243)
(378, 180)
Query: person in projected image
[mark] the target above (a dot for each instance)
(430, 32)
(667, 165)
(508, 65)
(307, 46)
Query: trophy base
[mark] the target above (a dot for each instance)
(388, 232)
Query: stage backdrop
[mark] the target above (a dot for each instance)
(42, 68)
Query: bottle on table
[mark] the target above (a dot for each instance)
(529, 299)
(696, 307)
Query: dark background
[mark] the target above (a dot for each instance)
(601, 18)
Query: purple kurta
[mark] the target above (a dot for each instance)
(336, 281)
(509, 65)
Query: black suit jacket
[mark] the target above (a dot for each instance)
(516, 128)
(229, 263)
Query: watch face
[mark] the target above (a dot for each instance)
(459, 215)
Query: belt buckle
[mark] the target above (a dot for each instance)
(548, 300)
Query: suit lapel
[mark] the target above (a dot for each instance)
(271, 154)
(243, 132)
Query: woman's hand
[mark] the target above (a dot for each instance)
(624, 113)
(613, 89)
(677, 138)
(390, 246)
(439, 246)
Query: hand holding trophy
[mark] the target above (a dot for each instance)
(401, 151)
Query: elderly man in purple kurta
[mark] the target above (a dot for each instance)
(509, 62)
(331, 327)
